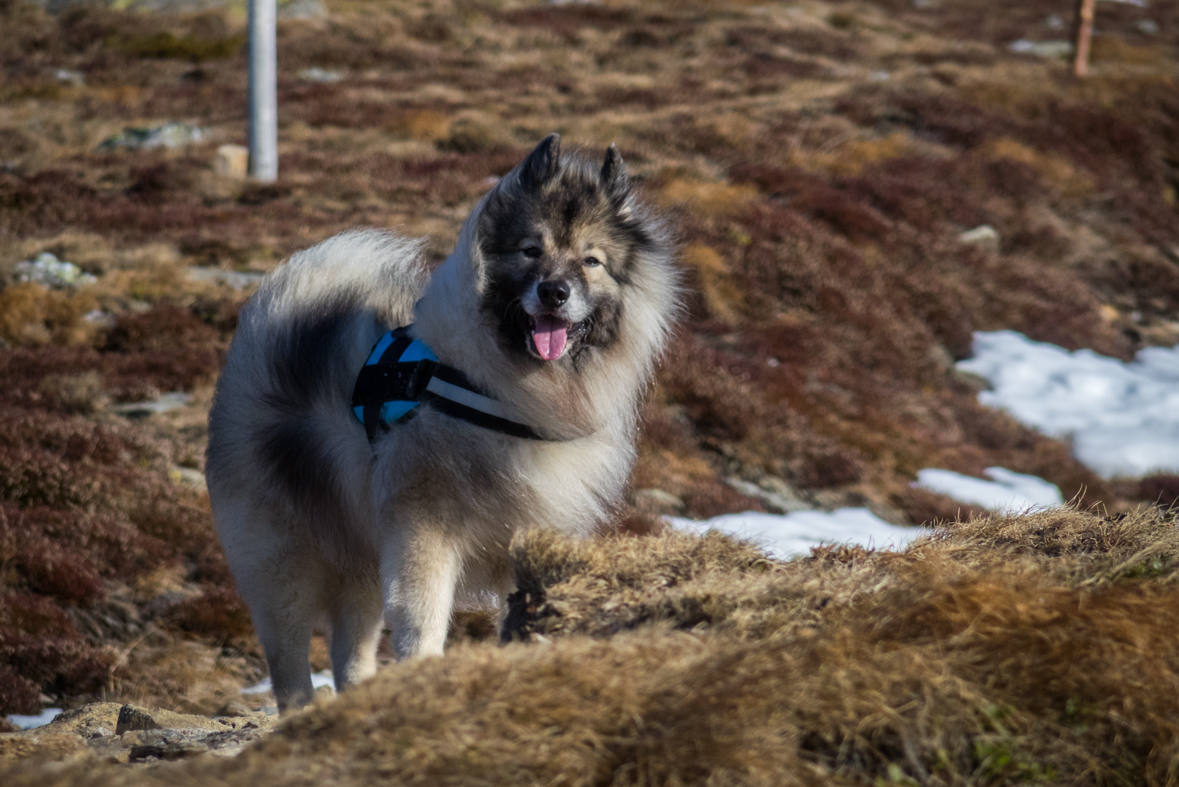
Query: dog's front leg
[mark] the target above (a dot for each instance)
(420, 568)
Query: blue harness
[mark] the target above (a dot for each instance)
(402, 373)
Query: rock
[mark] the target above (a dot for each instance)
(985, 236)
(133, 717)
(166, 402)
(174, 750)
(301, 9)
(48, 270)
(187, 476)
(656, 501)
(100, 318)
(323, 75)
(232, 161)
(42, 745)
(234, 709)
(88, 720)
(1147, 27)
(1052, 50)
(75, 78)
(238, 280)
(137, 735)
(169, 135)
(778, 496)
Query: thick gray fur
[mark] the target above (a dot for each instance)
(320, 526)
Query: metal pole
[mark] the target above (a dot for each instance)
(263, 93)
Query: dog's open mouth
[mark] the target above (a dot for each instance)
(551, 335)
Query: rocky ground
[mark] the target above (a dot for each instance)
(128, 734)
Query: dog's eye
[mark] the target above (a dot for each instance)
(533, 251)
(590, 262)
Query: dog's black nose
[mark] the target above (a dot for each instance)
(553, 293)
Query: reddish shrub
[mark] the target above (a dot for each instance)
(18, 694)
(826, 465)
(41, 646)
(713, 499)
(52, 572)
(567, 22)
(1161, 489)
(218, 614)
(165, 349)
(924, 507)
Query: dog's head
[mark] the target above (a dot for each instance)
(560, 239)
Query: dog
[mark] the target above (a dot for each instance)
(531, 344)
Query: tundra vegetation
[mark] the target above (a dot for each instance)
(820, 162)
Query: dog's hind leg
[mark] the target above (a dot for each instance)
(356, 630)
(283, 586)
(284, 621)
(420, 570)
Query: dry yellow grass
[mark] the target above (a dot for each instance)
(34, 314)
(707, 200)
(1034, 649)
(1054, 169)
(714, 280)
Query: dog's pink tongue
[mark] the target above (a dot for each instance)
(549, 335)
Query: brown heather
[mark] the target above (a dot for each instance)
(818, 206)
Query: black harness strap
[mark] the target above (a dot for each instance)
(388, 390)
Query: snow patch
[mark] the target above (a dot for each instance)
(1006, 492)
(318, 681)
(1123, 418)
(793, 534)
(32, 722)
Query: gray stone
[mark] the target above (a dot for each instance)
(142, 735)
(75, 78)
(48, 270)
(166, 402)
(301, 9)
(167, 751)
(169, 135)
(234, 709)
(1051, 50)
(323, 75)
(238, 280)
(985, 236)
(89, 719)
(132, 718)
(778, 496)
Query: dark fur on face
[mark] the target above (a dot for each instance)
(569, 225)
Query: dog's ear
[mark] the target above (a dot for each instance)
(614, 178)
(542, 162)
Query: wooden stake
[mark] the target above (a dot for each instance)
(1085, 13)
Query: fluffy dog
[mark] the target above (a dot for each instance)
(549, 315)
